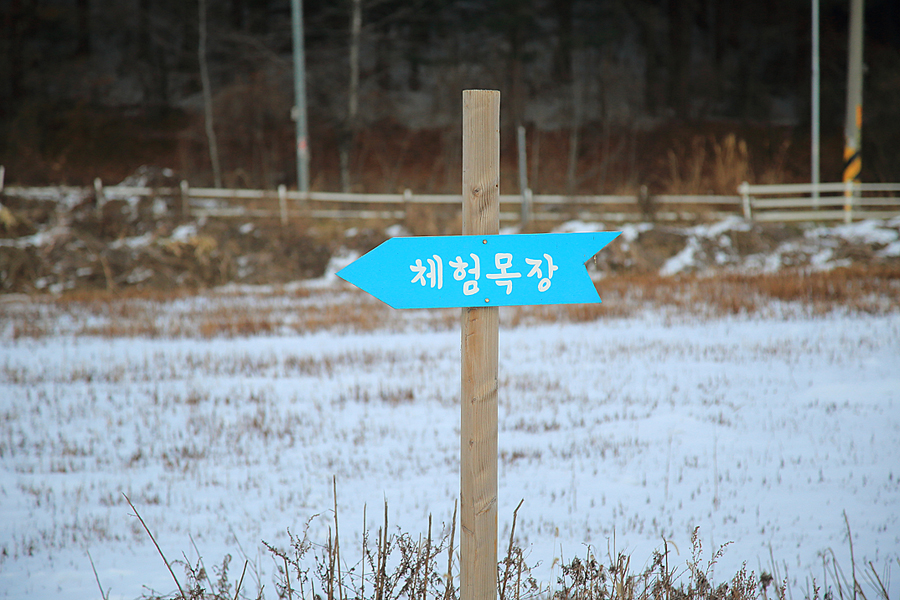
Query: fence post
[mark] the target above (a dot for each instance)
(185, 199)
(646, 204)
(2, 177)
(282, 203)
(744, 191)
(407, 201)
(98, 196)
(848, 200)
(527, 202)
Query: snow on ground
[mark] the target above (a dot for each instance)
(763, 432)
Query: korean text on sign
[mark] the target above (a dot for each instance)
(468, 271)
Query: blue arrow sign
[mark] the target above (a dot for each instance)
(480, 270)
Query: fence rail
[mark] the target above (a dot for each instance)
(789, 202)
(287, 204)
(817, 202)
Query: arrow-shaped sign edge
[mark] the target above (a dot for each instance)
(575, 246)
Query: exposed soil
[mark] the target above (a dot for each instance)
(137, 245)
(64, 242)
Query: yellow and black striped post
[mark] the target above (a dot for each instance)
(853, 122)
(852, 164)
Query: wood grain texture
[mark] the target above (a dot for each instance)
(480, 333)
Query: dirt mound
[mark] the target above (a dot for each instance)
(63, 239)
(64, 243)
(736, 245)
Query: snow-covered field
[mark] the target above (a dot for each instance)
(762, 431)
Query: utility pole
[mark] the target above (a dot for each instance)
(299, 111)
(207, 98)
(853, 123)
(814, 121)
(523, 177)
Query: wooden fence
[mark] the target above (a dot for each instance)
(289, 204)
(820, 202)
(791, 202)
(513, 208)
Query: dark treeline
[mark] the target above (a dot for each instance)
(78, 75)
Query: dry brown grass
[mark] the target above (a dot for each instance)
(712, 165)
(400, 566)
(92, 296)
(186, 314)
(872, 290)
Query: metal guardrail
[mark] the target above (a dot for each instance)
(817, 202)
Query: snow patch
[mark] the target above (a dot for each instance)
(727, 224)
(338, 261)
(577, 226)
(396, 230)
(631, 231)
(891, 250)
(682, 261)
(762, 431)
(184, 233)
(863, 232)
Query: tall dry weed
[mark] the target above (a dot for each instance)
(691, 171)
(731, 165)
(400, 566)
(686, 171)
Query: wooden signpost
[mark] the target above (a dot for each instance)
(479, 271)
(480, 357)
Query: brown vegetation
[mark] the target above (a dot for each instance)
(856, 289)
(389, 157)
(266, 311)
(401, 566)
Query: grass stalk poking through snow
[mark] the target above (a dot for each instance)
(405, 568)
(158, 549)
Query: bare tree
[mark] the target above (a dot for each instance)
(207, 99)
(353, 95)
